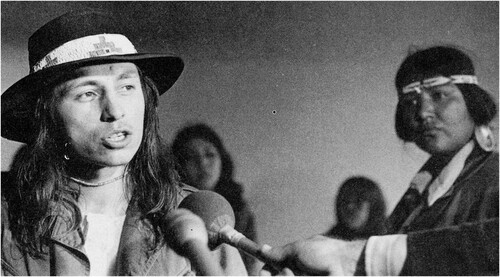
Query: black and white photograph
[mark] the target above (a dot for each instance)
(249, 138)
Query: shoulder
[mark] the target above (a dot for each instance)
(486, 169)
(491, 163)
(232, 191)
(485, 161)
(12, 256)
(183, 191)
(481, 170)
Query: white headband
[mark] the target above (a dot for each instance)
(86, 47)
(438, 81)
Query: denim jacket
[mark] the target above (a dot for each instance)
(66, 254)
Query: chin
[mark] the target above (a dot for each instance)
(430, 146)
(115, 160)
(438, 150)
(206, 186)
(114, 163)
(432, 150)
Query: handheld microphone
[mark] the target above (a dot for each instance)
(187, 234)
(219, 220)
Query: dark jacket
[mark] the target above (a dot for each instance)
(436, 244)
(468, 249)
(473, 197)
(66, 254)
(342, 232)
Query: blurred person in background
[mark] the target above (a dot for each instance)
(360, 210)
(205, 164)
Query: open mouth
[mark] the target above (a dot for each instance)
(117, 136)
(117, 139)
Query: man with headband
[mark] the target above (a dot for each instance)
(447, 221)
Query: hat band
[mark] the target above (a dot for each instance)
(85, 48)
(439, 81)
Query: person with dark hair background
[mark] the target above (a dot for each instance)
(360, 210)
(205, 163)
(92, 189)
(447, 221)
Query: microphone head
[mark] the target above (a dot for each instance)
(183, 226)
(213, 209)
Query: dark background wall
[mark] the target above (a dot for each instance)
(301, 92)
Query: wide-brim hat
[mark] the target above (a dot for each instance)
(70, 41)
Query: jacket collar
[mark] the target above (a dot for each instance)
(136, 251)
(136, 256)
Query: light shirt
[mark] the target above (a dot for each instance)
(102, 241)
(449, 174)
(385, 255)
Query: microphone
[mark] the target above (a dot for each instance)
(219, 220)
(187, 234)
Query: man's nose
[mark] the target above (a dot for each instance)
(426, 109)
(112, 109)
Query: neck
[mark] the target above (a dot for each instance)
(110, 198)
(438, 161)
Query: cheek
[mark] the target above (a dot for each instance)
(137, 110)
(365, 211)
(218, 167)
(461, 122)
(218, 163)
(455, 113)
(191, 169)
(77, 125)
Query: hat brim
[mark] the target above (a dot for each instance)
(19, 100)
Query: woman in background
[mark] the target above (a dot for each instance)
(204, 163)
(360, 210)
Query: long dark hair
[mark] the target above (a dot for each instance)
(40, 172)
(362, 189)
(445, 61)
(226, 186)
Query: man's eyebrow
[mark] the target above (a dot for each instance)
(70, 76)
(63, 88)
(128, 74)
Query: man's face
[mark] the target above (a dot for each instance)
(441, 120)
(102, 111)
